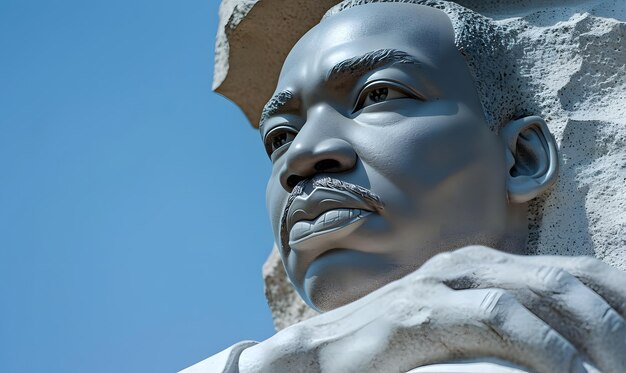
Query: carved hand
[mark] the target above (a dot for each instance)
(545, 313)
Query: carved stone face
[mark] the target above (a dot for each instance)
(377, 125)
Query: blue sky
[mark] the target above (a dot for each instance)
(132, 212)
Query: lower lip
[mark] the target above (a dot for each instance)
(329, 221)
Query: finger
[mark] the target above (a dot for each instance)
(607, 281)
(429, 323)
(602, 278)
(491, 322)
(578, 313)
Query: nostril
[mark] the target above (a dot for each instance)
(293, 180)
(327, 165)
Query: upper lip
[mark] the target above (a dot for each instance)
(320, 200)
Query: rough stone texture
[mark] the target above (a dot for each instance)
(253, 39)
(571, 69)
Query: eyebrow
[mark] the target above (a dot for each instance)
(277, 103)
(350, 68)
(357, 66)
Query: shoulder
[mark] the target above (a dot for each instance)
(223, 362)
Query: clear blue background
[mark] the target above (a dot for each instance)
(132, 213)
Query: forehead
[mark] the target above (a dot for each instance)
(424, 32)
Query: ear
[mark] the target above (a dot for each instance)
(531, 157)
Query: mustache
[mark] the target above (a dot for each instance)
(371, 198)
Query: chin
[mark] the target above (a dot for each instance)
(342, 276)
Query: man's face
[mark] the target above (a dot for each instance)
(377, 125)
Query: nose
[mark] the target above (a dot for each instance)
(309, 155)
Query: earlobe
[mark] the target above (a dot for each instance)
(532, 161)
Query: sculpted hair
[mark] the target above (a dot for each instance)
(482, 43)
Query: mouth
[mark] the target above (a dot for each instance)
(327, 222)
(331, 206)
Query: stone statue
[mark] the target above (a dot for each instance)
(407, 157)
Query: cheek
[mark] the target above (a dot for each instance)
(422, 152)
(447, 170)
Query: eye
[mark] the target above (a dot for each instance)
(277, 138)
(381, 91)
